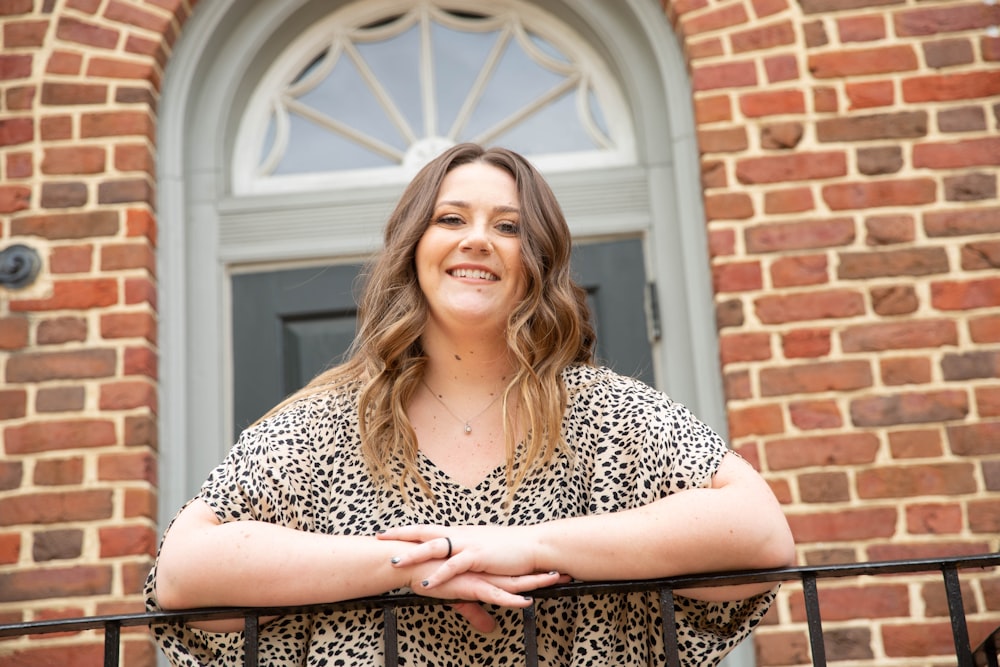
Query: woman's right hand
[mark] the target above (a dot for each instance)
(474, 588)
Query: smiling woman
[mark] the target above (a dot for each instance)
(525, 466)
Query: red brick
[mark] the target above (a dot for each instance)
(863, 62)
(846, 602)
(905, 370)
(934, 21)
(799, 270)
(830, 450)
(127, 541)
(140, 223)
(958, 154)
(721, 242)
(843, 525)
(825, 100)
(915, 443)
(15, 66)
(713, 109)
(934, 519)
(10, 549)
(56, 128)
(73, 295)
(806, 343)
(120, 68)
(918, 640)
(70, 94)
(715, 19)
(965, 295)
(59, 472)
(783, 648)
(61, 226)
(802, 166)
(45, 508)
(870, 94)
(140, 430)
(128, 256)
(13, 404)
(947, 479)
(116, 124)
(793, 200)
(911, 334)
(760, 37)
(64, 62)
(737, 277)
(874, 194)
(728, 75)
(127, 395)
(14, 198)
(141, 361)
(140, 290)
(723, 140)
(985, 329)
(134, 158)
(974, 439)
(129, 325)
(811, 415)
(74, 160)
(772, 103)
(55, 582)
(802, 306)
(816, 377)
(24, 34)
(140, 503)
(824, 487)
(962, 222)
(15, 131)
(739, 347)
(910, 408)
(949, 87)
(894, 300)
(14, 332)
(56, 435)
(61, 365)
(755, 420)
(799, 235)
(71, 259)
(60, 399)
(781, 68)
(897, 125)
(889, 229)
(865, 28)
(984, 516)
(988, 401)
(728, 206)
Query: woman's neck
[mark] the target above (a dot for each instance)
(467, 360)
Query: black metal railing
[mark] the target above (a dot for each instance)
(983, 656)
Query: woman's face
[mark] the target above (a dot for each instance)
(469, 258)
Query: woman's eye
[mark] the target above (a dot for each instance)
(507, 227)
(451, 220)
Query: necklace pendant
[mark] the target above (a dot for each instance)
(468, 428)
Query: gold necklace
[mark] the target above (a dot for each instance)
(467, 422)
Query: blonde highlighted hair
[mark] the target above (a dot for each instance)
(549, 329)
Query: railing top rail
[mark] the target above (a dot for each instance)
(574, 589)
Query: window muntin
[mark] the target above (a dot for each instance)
(369, 97)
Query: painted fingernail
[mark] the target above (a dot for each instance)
(553, 572)
(395, 560)
(425, 583)
(380, 531)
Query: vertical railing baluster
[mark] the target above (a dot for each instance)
(530, 636)
(112, 642)
(390, 637)
(813, 620)
(959, 630)
(668, 612)
(251, 640)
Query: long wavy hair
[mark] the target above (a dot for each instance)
(547, 331)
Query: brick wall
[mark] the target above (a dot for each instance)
(849, 156)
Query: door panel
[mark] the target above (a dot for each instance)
(289, 325)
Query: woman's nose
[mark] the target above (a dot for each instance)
(477, 238)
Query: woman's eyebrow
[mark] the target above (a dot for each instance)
(457, 203)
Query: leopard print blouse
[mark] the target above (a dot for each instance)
(629, 445)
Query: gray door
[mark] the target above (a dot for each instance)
(289, 325)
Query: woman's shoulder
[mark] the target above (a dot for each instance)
(600, 382)
(307, 417)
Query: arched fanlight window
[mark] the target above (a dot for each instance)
(378, 88)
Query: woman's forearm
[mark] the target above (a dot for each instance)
(203, 563)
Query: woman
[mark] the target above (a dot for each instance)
(470, 450)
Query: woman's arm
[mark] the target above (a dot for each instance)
(735, 524)
(205, 563)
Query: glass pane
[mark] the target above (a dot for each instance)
(553, 129)
(395, 62)
(459, 57)
(316, 149)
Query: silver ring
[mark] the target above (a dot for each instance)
(448, 555)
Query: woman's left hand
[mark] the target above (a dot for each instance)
(500, 550)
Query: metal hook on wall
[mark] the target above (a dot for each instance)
(19, 265)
